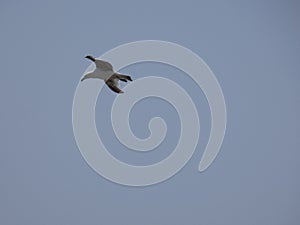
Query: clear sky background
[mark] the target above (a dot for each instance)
(252, 47)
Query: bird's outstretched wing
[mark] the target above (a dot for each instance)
(103, 65)
(113, 84)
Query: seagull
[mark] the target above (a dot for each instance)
(104, 71)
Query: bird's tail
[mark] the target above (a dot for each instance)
(123, 77)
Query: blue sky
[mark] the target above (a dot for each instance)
(252, 47)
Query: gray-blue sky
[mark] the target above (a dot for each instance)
(252, 47)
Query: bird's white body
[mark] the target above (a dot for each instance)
(100, 74)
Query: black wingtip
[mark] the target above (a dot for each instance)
(90, 58)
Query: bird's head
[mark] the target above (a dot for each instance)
(90, 58)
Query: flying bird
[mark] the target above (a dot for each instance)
(104, 71)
